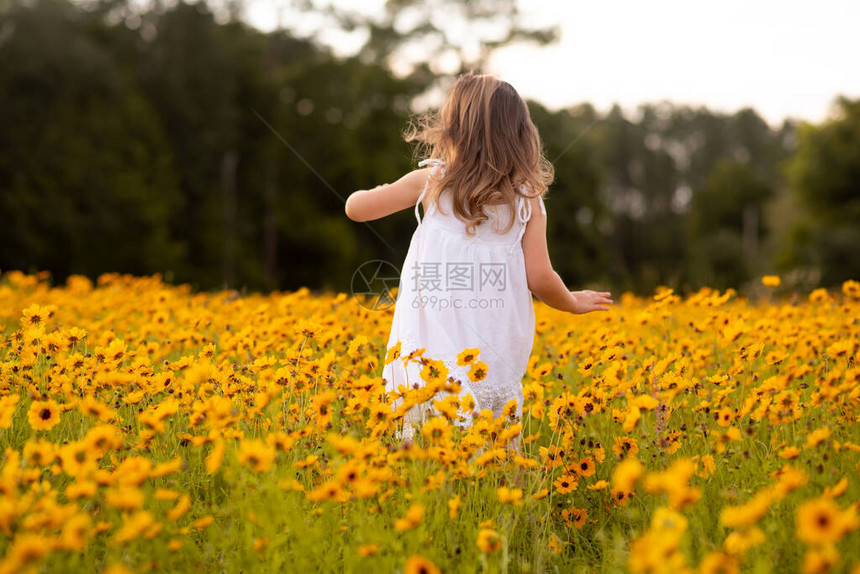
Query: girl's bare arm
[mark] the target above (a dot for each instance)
(382, 200)
(542, 279)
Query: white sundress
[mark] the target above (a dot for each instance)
(458, 291)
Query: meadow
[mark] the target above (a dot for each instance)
(148, 427)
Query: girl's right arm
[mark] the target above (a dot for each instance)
(382, 200)
(542, 279)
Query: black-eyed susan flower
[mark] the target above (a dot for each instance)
(851, 289)
(434, 372)
(626, 474)
(467, 357)
(124, 497)
(579, 516)
(44, 415)
(488, 541)
(565, 483)
(510, 495)
(717, 562)
(624, 446)
(821, 521)
(256, 455)
(437, 430)
(478, 371)
(134, 526)
(417, 564)
(182, 506)
(7, 410)
(39, 452)
(215, 457)
(81, 489)
(35, 315)
(453, 507)
(329, 490)
(413, 518)
(393, 353)
(75, 533)
(203, 522)
(585, 467)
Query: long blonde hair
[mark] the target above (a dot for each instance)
(484, 134)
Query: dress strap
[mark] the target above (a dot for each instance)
(436, 163)
(524, 214)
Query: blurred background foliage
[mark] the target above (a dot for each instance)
(179, 140)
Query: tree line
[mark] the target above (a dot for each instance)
(177, 141)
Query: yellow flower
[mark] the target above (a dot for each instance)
(256, 455)
(789, 452)
(165, 468)
(453, 507)
(585, 467)
(630, 420)
(183, 505)
(215, 457)
(329, 490)
(488, 541)
(719, 563)
(437, 430)
(513, 496)
(417, 564)
(625, 446)
(580, 515)
(203, 522)
(626, 474)
(820, 521)
(821, 560)
(819, 295)
(738, 542)
(77, 459)
(81, 489)
(39, 452)
(76, 532)
(750, 512)
(836, 490)
(851, 289)
(35, 315)
(565, 483)
(725, 416)
(368, 549)
(393, 353)
(771, 281)
(478, 372)
(7, 410)
(542, 493)
(44, 415)
(467, 357)
(124, 498)
(816, 437)
(434, 371)
(134, 526)
(26, 548)
(412, 519)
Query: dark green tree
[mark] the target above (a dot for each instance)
(726, 225)
(825, 176)
(87, 183)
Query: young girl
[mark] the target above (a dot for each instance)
(465, 294)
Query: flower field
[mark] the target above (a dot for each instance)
(148, 427)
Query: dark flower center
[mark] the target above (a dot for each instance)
(45, 414)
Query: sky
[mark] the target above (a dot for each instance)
(785, 58)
